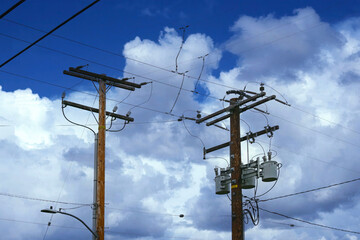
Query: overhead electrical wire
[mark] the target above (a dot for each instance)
(143, 212)
(84, 229)
(181, 46)
(130, 123)
(42, 200)
(110, 67)
(311, 190)
(178, 94)
(168, 70)
(146, 108)
(324, 119)
(139, 235)
(170, 84)
(299, 193)
(313, 158)
(87, 93)
(11, 8)
(316, 131)
(193, 134)
(47, 34)
(39, 223)
(201, 71)
(311, 223)
(158, 111)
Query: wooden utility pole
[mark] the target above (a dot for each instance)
(235, 165)
(233, 112)
(104, 82)
(100, 188)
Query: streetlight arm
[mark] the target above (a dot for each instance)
(65, 213)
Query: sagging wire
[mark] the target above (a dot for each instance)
(286, 102)
(62, 109)
(118, 130)
(183, 120)
(261, 148)
(181, 46)
(251, 210)
(147, 100)
(127, 95)
(264, 84)
(178, 94)
(246, 124)
(129, 112)
(202, 69)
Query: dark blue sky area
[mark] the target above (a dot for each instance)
(109, 24)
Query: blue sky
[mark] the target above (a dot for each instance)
(306, 52)
(110, 24)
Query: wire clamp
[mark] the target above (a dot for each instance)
(269, 133)
(250, 137)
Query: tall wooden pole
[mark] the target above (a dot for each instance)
(100, 199)
(235, 164)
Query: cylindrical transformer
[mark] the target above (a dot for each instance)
(248, 178)
(269, 171)
(222, 183)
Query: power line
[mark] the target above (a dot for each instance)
(195, 92)
(311, 223)
(47, 34)
(334, 123)
(12, 8)
(132, 59)
(39, 223)
(168, 70)
(87, 93)
(162, 112)
(139, 235)
(314, 158)
(164, 69)
(178, 94)
(316, 131)
(110, 67)
(144, 212)
(41, 199)
(81, 228)
(311, 190)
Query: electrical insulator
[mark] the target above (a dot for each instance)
(269, 171)
(198, 115)
(262, 87)
(222, 181)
